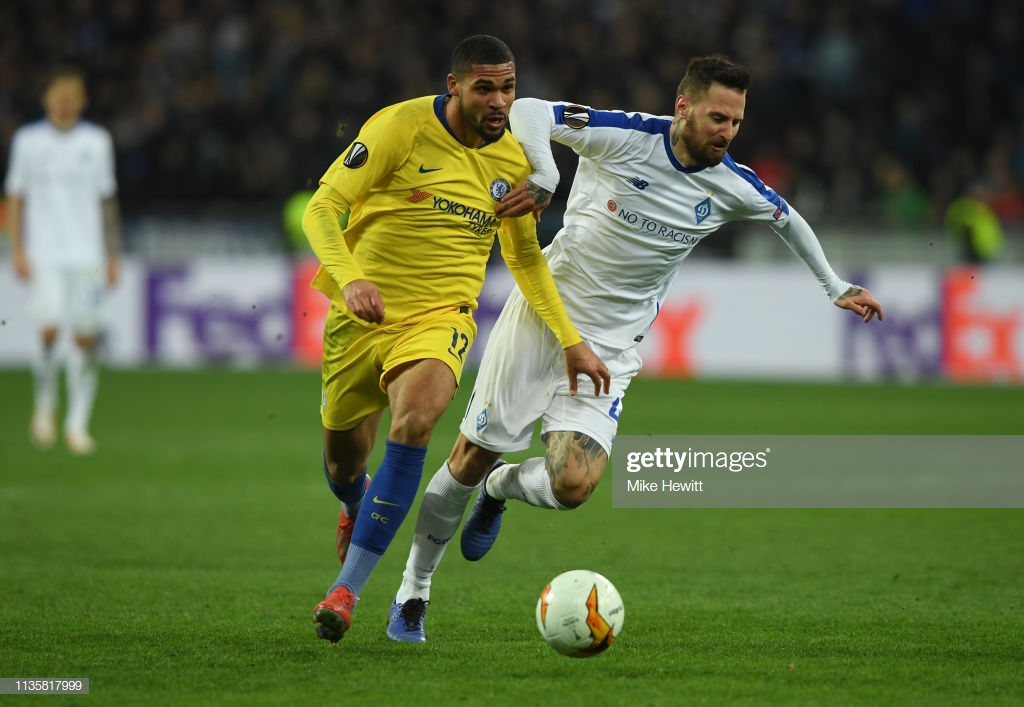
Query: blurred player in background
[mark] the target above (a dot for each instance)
(64, 224)
(646, 191)
(421, 181)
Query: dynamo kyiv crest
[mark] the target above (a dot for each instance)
(702, 210)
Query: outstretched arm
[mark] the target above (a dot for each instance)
(799, 236)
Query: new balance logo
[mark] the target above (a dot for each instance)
(638, 183)
(377, 499)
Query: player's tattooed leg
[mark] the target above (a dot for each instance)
(574, 463)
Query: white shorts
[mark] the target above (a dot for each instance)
(522, 379)
(73, 295)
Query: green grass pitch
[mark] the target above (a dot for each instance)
(180, 564)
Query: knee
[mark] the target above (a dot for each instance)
(49, 336)
(574, 463)
(412, 426)
(85, 342)
(570, 488)
(571, 498)
(347, 453)
(344, 470)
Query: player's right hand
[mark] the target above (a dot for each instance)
(524, 199)
(21, 266)
(580, 358)
(364, 300)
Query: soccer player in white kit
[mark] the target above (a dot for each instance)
(64, 224)
(647, 190)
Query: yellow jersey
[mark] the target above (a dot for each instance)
(422, 219)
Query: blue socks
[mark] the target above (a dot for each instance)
(389, 498)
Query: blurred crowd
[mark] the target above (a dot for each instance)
(880, 112)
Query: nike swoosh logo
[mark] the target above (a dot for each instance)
(383, 503)
(424, 170)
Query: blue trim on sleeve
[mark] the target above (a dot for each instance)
(618, 119)
(764, 190)
(652, 125)
(628, 121)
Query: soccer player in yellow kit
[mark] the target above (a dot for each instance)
(420, 182)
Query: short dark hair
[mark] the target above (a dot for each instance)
(702, 71)
(61, 72)
(479, 49)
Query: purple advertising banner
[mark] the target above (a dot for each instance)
(959, 324)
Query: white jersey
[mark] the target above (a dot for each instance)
(63, 177)
(635, 212)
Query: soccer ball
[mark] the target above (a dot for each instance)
(580, 613)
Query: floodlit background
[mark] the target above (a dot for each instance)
(871, 119)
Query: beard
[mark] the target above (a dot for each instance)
(487, 132)
(702, 151)
(706, 155)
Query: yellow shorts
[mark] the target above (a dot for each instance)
(357, 358)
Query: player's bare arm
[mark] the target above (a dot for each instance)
(524, 199)
(574, 463)
(14, 222)
(364, 300)
(859, 300)
(581, 359)
(112, 238)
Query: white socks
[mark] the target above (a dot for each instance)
(444, 502)
(443, 505)
(527, 482)
(83, 379)
(44, 377)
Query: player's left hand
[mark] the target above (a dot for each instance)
(524, 199)
(580, 358)
(859, 300)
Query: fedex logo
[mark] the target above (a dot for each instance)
(961, 335)
(194, 315)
